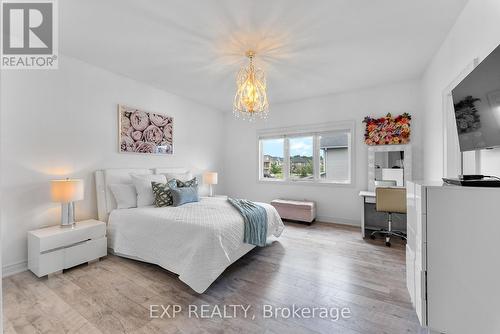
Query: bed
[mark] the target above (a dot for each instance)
(197, 241)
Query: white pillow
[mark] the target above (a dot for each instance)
(144, 188)
(179, 176)
(125, 195)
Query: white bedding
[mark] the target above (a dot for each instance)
(197, 241)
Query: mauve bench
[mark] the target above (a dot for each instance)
(303, 211)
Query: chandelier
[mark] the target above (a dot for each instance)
(250, 101)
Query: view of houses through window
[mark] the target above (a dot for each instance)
(272, 158)
(301, 158)
(318, 157)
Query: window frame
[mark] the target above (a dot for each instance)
(287, 143)
(260, 159)
(314, 130)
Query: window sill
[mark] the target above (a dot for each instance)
(307, 183)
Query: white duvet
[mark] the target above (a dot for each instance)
(197, 241)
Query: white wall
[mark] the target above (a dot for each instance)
(58, 123)
(475, 34)
(335, 202)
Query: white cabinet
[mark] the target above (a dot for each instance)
(415, 258)
(55, 248)
(453, 265)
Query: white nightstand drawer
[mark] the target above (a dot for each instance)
(55, 237)
(85, 252)
(47, 263)
(65, 258)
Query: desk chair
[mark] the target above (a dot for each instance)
(390, 200)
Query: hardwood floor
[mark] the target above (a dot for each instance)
(322, 265)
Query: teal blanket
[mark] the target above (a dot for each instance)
(255, 218)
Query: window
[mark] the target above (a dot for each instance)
(301, 158)
(272, 158)
(334, 156)
(315, 154)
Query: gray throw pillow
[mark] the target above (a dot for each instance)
(184, 195)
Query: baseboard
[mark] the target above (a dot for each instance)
(15, 268)
(341, 221)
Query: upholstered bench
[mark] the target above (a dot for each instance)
(304, 211)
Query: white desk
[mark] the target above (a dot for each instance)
(367, 197)
(369, 194)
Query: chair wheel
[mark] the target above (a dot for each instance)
(388, 244)
(372, 237)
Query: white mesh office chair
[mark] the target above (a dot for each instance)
(390, 200)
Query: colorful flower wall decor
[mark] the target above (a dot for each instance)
(387, 130)
(145, 132)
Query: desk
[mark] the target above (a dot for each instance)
(372, 220)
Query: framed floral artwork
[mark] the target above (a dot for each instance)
(387, 130)
(144, 132)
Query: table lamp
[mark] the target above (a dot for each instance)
(210, 178)
(67, 192)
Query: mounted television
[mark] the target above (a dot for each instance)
(476, 102)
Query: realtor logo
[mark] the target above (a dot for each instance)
(29, 34)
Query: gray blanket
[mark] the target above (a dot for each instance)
(255, 218)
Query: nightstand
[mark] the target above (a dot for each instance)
(55, 248)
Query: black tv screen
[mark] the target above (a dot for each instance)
(477, 105)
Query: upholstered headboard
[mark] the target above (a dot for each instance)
(103, 178)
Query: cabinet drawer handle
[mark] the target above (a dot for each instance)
(64, 247)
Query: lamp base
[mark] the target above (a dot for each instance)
(68, 215)
(211, 193)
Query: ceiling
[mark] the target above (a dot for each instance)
(308, 48)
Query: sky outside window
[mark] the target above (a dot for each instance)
(302, 146)
(273, 147)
